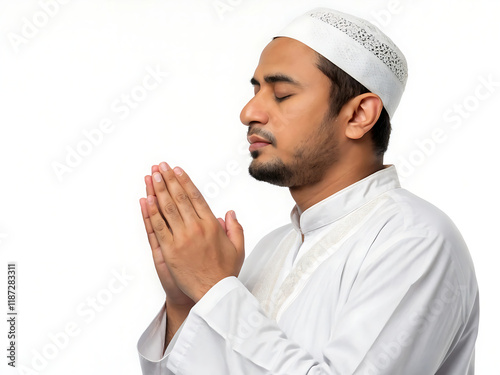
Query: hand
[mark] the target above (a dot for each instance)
(196, 248)
(175, 296)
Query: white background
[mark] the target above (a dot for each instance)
(71, 236)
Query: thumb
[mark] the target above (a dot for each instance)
(234, 232)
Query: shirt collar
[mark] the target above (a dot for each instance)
(345, 201)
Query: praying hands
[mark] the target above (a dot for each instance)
(192, 249)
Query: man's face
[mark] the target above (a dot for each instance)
(292, 136)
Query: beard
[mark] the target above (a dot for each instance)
(310, 160)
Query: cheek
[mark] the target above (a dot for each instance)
(292, 133)
(297, 121)
(285, 122)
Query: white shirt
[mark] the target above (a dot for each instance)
(382, 284)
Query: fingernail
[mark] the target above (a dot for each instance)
(233, 215)
(151, 200)
(178, 171)
(164, 166)
(157, 177)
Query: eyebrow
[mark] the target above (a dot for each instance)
(274, 78)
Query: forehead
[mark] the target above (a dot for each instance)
(291, 57)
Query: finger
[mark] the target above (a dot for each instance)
(150, 190)
(178, 194)
(222, 223)
(167, 205)
(235, 233)
(195, 197)
(153, 241)
(149, 185)
(149, 182)
(160, 228)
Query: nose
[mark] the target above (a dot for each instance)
(254, 112)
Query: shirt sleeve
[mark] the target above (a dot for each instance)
(150, 346)
(405, 316)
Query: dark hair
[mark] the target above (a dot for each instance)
(344, 88)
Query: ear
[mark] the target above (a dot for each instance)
(364, 111)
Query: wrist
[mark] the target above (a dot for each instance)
(177, 312)
(176, 315)
(179, 306)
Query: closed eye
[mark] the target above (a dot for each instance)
(279, 100)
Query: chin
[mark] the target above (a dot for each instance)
(274, 172)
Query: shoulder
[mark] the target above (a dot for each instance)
(412, 216)
(418, 215)
(416, 231)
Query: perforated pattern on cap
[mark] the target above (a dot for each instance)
(368, 40)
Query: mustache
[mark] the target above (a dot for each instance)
(263, 134)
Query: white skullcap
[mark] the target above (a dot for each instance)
(358, 48)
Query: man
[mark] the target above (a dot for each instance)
(367, 279)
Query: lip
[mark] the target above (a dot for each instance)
(258, 145)
(257, 142)
(256, 139)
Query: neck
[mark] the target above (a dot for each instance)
(336, 178)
